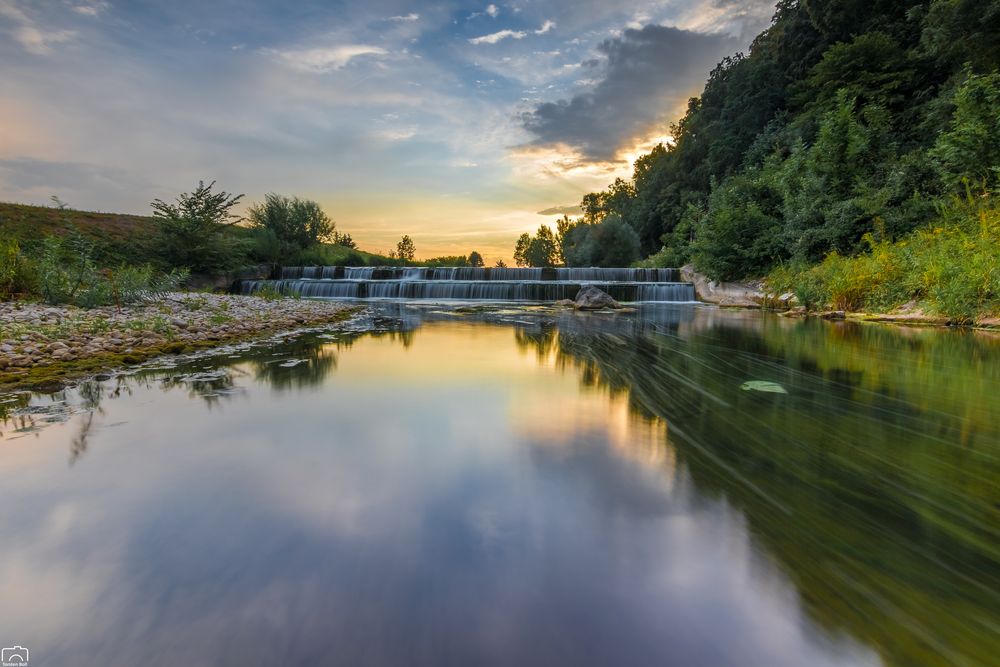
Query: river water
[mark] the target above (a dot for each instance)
(517, 486)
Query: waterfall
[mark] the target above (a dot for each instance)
(474, 283)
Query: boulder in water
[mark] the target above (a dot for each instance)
(592, 298)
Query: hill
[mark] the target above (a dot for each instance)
(118, 238)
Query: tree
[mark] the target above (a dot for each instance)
(970, 148)
(500, 264)
(299, 223)
(405, 250)
(344, 240)
(193, 231)
(475, 259)
(540, 250)
(521, 249)
(610, 243)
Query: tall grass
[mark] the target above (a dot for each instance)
(951, 268)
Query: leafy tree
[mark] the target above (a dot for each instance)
(500, 264)
(609, 243)
(344, 240)
(475, 259)
(540, 250)
(405, 250)
(521, 249)
(970, 149)
(298, 223)
(194, 230)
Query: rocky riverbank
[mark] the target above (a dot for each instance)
(45, 346)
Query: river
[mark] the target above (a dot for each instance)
(675, 485)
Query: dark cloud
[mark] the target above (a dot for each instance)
(572, 209)
(647, 74)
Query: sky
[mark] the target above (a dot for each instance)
(462, 124)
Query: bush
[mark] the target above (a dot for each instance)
(286, 225)
(67, 274)
(194, 232)
(609, 243)
(17, 272)
(951, 268)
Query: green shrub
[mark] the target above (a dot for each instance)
(950, 269)
(17, 272)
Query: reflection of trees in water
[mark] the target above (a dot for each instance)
(868, 481)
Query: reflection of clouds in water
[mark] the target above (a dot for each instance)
(467, 514)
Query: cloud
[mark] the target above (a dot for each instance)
(28, 33)
(648, 74)
(405, 19)
(571, 209)
(498, 36)
(495, 37)
(91, 8)
(492, 10)
(547, 26)
(324, 59)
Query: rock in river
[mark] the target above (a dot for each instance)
(592, 298)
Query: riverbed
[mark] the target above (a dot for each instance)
(425, 484)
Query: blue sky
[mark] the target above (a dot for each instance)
(454, 122)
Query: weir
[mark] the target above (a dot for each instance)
(474, 283)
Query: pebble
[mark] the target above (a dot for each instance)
(51, 334)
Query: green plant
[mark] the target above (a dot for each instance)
(17, 272)
(192, 230)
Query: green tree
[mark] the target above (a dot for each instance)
(475, 259)
(970, 148)
(500, 264)
(609, 243)
(194, 231)
(300, 223)
(405, 249)
(521, 249)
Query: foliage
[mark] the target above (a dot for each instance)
(192, 230)
(970, 149)
(65, 273)
(538, 250)
(475, 259)
(448, 260)
(849, 122)
(500, 264)
(17, 272)
(608, 243)
(951, 268)
(285, 225)
(344, 240)
(405, 249)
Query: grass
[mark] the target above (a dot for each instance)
(950, 269)
(119, 238)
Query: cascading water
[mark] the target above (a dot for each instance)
(474, 283)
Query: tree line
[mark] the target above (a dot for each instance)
(847, 122)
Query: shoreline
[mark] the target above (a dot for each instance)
(45, 347)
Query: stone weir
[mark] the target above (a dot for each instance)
(473, 284)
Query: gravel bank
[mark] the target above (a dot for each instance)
(43, 345)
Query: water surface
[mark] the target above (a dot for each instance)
(517, 487)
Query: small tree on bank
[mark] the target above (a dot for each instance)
(285, 226)
(194, 230)
(540, 250)
(405, 249)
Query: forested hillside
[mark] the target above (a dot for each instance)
(848, 124)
